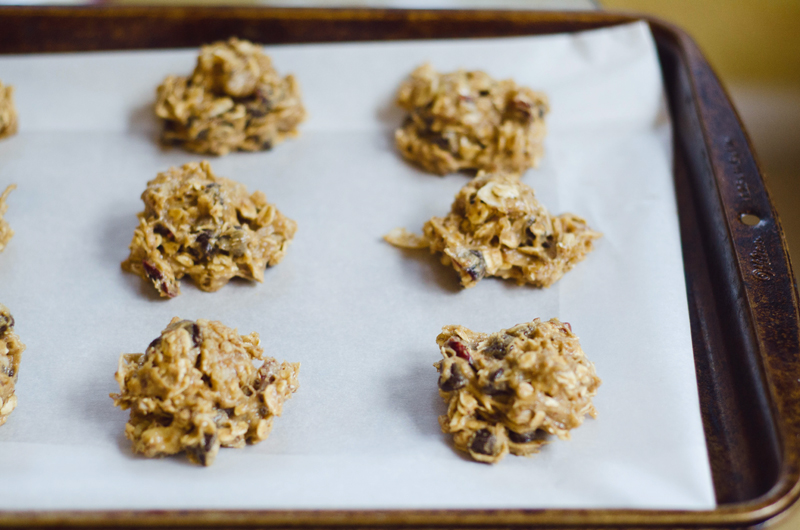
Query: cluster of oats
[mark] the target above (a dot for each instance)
(6, 233)
(11, 349)
(506, 390)
(234, 100)
(8, 114)
(196, 389)
(496, 227)
(207, 227)
(467, 120)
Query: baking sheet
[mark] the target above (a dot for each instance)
(361, 316)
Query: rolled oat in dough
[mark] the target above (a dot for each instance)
(234, 100)
(496, 227)
(207, 227)
(467, 120)
(197, 388)
(505, 391)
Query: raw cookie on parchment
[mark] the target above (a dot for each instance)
(196, 389)
(234, 100)
(11, 349)
(496, 227)
(207, 227)
(505, 391)
(467, 120)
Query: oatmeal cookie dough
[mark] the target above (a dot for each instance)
(196, 389)
(8, 114)
(207, 227)
(234, 100)
(496, 227)
(505, 391)
(11, 349)
(6, 233)
(467, 120)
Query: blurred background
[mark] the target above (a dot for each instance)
(754, 45)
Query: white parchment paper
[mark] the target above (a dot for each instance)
(360, 315)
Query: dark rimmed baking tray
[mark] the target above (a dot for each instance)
(742, 294)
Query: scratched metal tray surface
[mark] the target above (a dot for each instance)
(742, 295)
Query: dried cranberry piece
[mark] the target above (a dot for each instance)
(165, 289)
(152, 272)
(460, 349)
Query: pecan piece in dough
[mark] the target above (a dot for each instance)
(207, 227)
(234, 100)
(196, 389)
(505, 391)
(8, 113)
(11, 349)
(496, 227)
(467, 120)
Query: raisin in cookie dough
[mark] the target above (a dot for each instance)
(207, 227)
(234, 100)
(196, 389)
(8, 113)
(6, 233)
(467, 120)
(11, 349)
(506, 390)
(496, 227)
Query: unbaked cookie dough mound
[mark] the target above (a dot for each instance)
(505, 391)
(199, 387)
(234, 100)
(6, 233)
(11, 349)
(496, 227)
(207, 227)
(467, 120)
(8, 113)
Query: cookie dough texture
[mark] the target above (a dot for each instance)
(6, 233)
(8, 113)
(505, 391)
(234, 100)
(196, 389)
(467, 120)
(496, 227)
(207, 227)
(11, 349)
